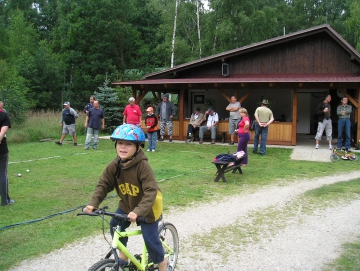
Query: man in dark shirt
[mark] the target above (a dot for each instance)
(89, 105)
(4, 158)
(92, 123)
(68, 115)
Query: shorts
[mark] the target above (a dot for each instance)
(69, 129)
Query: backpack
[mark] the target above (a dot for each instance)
(225, 157)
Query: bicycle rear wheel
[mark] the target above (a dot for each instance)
(169, 235)
(105, 265)
(334, 157)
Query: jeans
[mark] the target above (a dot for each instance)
(150, 235)
(4, 182)
(344, 125)
(204, 129)
(89, 133)
(263, 131)
(152, 138)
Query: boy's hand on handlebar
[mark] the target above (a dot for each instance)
(132, 216)
(89, 209)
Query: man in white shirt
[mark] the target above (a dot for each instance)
(212, 120)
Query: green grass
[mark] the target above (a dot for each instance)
(62, 178)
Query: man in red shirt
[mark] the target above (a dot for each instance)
(132, 113)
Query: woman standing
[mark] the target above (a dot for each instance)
(243, 133)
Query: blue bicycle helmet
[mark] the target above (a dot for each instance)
(129, 132)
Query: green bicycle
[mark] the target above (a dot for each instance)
(139, 262)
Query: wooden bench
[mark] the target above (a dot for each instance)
(223, 167)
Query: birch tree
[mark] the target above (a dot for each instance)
(174, 34)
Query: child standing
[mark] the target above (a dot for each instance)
(133, 179)
(151, 123)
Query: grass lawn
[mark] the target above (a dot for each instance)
(63, 178)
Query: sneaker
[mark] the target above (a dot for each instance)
(338, 149)
(330, 147)
(10, 202)
(231, 143)
(316, 146)
(212, 142)
(148, 150)
(254, 151)
(170, 140)
(161, 139)
(152, 150)
(201, 141)
(187, 141)
(86, 148)
(58, 142)
(75, 144)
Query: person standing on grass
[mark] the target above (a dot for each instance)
(132, 113)
(234, 117)
(94, 121)
(344, 124)
(323, 112)
(68, 116)
(264, 116)
(151, 123)
(4, 159)
(133, 179)
(166, 111)
(89, 105)
(243, 130)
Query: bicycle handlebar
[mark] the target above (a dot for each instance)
(117, 216)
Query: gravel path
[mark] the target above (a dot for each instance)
(306, 243)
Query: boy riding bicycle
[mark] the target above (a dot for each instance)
(133, 179)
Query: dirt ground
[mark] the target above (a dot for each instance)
(306, 242)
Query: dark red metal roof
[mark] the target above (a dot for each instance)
(258, 78)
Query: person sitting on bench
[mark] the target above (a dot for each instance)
(194, 124)
(212, 120)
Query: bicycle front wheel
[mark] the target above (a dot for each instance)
(105, 265)
(170, 238)
(353, 157)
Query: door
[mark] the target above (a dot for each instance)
(304, 113)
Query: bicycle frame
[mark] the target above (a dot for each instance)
(116, 244)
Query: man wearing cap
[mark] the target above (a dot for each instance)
(211, 119)
(94, 121)
(234, 117)
(68, 115)
(323, 111)
(132, 113)
(195, 121)
(264, 117)
(151, 123)
(166, 110)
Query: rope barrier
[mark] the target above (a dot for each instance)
(82, 206)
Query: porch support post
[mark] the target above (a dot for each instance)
(294, 117)
(357, 117)
(181, 114)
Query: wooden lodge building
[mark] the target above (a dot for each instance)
(294, 72)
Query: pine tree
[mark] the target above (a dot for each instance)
(110, 103)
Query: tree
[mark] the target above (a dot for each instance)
(109, 103)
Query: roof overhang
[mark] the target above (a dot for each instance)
(251, 81)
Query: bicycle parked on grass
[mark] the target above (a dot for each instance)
(336, 155)
(139, 262)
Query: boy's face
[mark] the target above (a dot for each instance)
(149, 113)
(125, 149)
